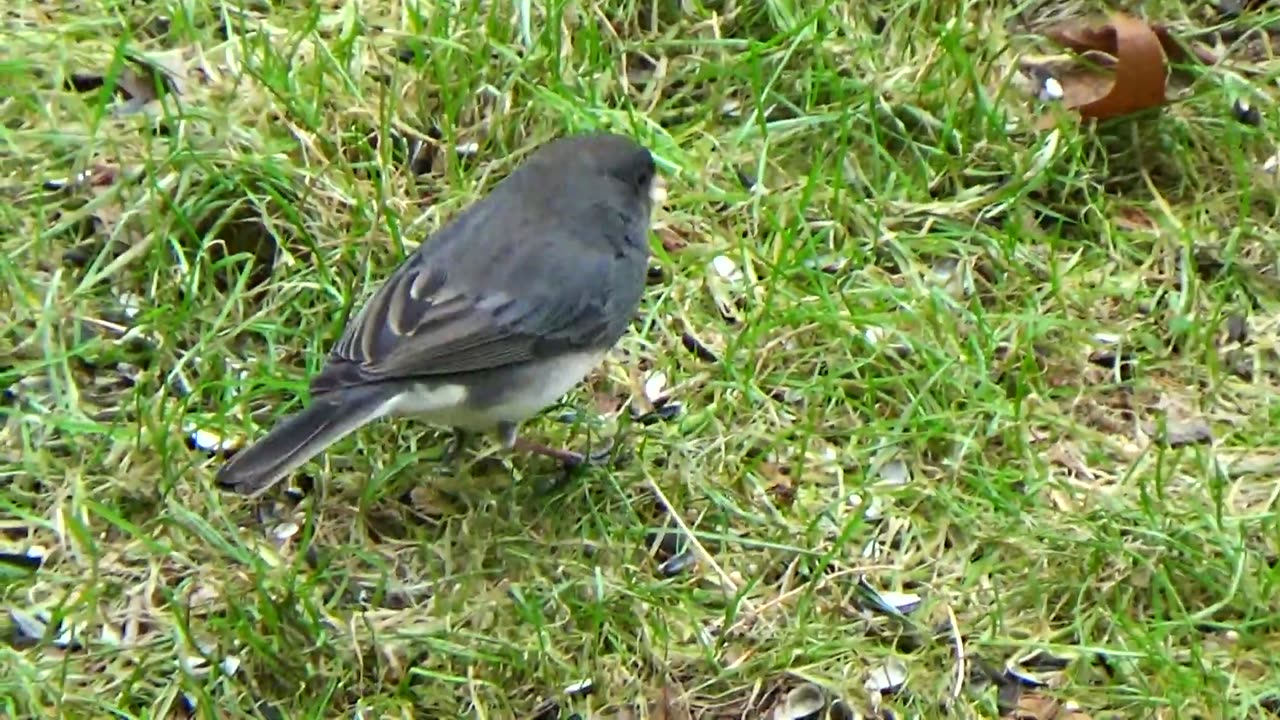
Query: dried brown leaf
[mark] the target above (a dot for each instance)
(1141, 71)
(1141, 53)
(1084, 84)
(1102, 38)
(1134, 218)
(672, 241)
(1177, 51)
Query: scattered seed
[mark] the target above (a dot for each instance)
(129, 374)
(888, 677)
(81, 255)
(953, 277)
(32, 559)
(421, 157)
(903, 602)
(664, 544)
(547, 710)
(874, 511)
(839, 710)
(726, 268)
(27, 628)
(1121, 361)
(195, 665)
(655, 388)
(210, 442)
(158, 26)
(658, 192)
(639, 68)
(1231, 9)
(130, 305)
(794, 397)
(600, 453)
(894, 473)
(945, 269)
(202, 596)
(569, 416)
(889, 602)
(30, 628)
(899, 350)
(1022, 678)
(306, 484)
(802, 703)
(286, 531)
(84, 82)
(723, 279)
(698, 348)
(830, 264)
(111, 636)
(678, 564)
(666, 412)
(1051, 90)
(80, 178)
(67, 636)
(1042, 660)
(1107, 338)
(1246, 113)
(409, 54)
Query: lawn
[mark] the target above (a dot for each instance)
(940, 402)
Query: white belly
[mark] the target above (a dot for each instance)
(535, 387)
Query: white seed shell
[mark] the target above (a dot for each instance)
(887, 677)
(805, 701)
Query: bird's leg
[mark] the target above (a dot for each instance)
(454, 451)
(507, 432)
(568, 458)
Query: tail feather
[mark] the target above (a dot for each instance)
(300, 437)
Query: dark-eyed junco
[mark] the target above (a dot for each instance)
(494, 317)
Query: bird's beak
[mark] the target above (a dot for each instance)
(658, 191)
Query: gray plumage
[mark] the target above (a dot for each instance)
(494, 317)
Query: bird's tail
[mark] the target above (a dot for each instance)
(300, 437)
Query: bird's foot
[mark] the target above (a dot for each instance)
(571, 462)
(568, 458)
(454, 450)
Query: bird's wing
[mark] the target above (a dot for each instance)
(422, 323)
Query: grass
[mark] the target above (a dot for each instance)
(956, 365)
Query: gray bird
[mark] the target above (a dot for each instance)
(494, 317)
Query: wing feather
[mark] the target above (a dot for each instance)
(422, 324)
